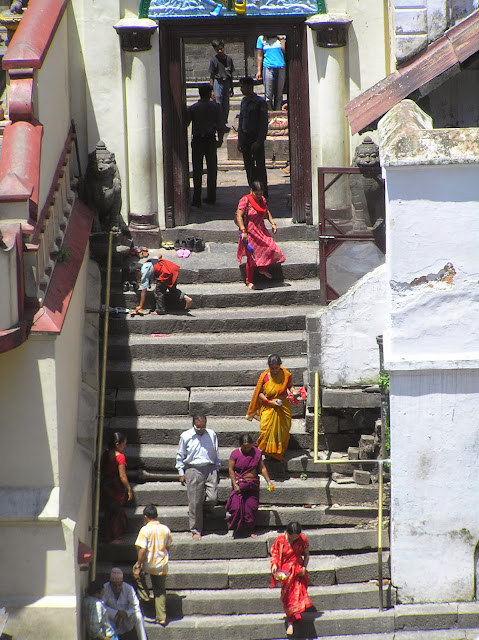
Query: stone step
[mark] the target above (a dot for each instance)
(161, 458)
(223, 230)
(250, 319)
(244, 574)
(225, 547)
(219, 262)
(294, 491)
(168, 428)
(200, 345)
(207, 372)
(251, 601)
(269, 516)
(339, 624)
(236, 294)
(232, 401)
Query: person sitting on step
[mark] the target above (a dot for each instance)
(165, 273)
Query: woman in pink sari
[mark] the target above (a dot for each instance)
(245, 465)
(289, 559)
(255, 241)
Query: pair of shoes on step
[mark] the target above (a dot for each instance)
(191, 244)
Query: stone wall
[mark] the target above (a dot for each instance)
(198, 53)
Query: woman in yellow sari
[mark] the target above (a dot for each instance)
(270, 405)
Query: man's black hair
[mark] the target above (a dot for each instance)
(217, 43)
(205, 90)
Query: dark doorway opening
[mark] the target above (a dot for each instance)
(173, 34)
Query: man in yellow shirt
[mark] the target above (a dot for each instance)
(153, 542)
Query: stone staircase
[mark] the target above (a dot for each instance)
(163, 369)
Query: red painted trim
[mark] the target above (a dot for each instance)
(20, 164)
(12, 338)
(32, 39)
(50, 318)
(20, 97)
(56, 177)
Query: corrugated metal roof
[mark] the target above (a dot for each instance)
(455, 46)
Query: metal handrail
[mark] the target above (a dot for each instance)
(101, 413)
(380, 463)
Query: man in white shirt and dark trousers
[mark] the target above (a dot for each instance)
(198, 464)
(123, 607)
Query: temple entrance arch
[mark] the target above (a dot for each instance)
(175, 147)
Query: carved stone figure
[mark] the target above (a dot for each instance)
(367, 191)
(102, 191)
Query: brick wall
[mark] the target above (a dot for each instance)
(198, 53)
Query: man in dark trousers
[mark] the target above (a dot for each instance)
(221, 79)
(205, 116)
(252, 131)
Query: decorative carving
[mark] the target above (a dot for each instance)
(331, 29)
(160, 9)
(367, 191)
(135, 33)
(102, 191)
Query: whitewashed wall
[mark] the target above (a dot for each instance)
(342, 336)
(431, 350)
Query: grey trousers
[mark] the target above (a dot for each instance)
(202, 490)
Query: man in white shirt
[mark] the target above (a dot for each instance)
(123, 607)
(198, 464)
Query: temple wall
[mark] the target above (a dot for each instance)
(45, 473)
(430, 350)
(52, 105)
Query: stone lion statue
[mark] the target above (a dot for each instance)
(102, 191)
(367, 191)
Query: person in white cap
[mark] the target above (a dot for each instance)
(123, 607)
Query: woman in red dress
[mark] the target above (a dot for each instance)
(115, 488)
(256, 242)
(289, 559)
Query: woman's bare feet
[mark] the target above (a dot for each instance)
(290, 630)
(188, 302)
(265, 273)
(250, 286)
(253, 535)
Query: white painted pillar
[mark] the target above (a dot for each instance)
(138, 61)
(330, 36)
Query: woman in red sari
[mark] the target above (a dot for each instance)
(289, 559)
(256, 242)
(115, 488)
(245, 465)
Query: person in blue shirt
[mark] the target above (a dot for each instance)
(270, 57)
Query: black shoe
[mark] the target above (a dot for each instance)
(209, 201)
(183, 244)
(190, 243)
(126, 286)
(199, 245)
(196, 203)
(177, 244)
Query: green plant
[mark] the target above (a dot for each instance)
(64, 254)
(383, 381)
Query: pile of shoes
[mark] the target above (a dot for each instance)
(191, 244)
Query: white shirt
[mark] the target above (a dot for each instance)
(197, 450)
(126, 601)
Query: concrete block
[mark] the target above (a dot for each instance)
(468, 615)
(353, 453)
(360, 568)
(425, 616)
(341, 478)
(349, 399)
(197, 575)
(361, 477)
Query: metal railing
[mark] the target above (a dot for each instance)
(380, 463)
(101, 411)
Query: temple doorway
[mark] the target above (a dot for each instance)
(180, 76)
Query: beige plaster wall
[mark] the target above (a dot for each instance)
(366, 61)
(52, 105)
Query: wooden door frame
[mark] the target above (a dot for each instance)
(173, 98)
